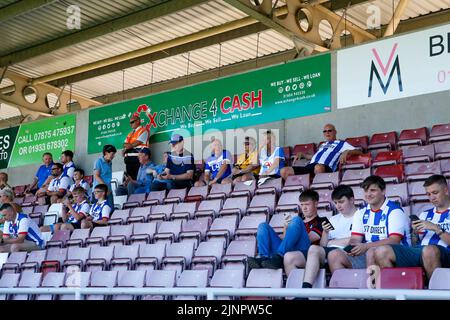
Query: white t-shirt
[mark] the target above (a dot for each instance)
(62, 182)
(342, 228)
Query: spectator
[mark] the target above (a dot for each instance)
(43, 175)
(380, 222)
(217, 167)
(58, 185)
(433, 227)
(159, 169)
(134, 142)
(100, 211)
(7, 196)
(326, 159)
(4, 181)
(180, 167)
(69, 166)
(296, 238)
(20, 233)
(71, 214)
(144, 177)
(336, 234)
(246, 167)
(271, 158)
(103, 170)
(78, 177)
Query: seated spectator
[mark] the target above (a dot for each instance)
(180, 167)
(4, 181)
(433, 228)
(71, 214)
(43, 175)
(69, 166)
(156, 170)
(247, 166)
(58, 185)
(326, 159)
(336, 234)
(271, 158)
(297, 235)
(20, 233)
(7, 196)
(217, 167)
(380, 222)
(100, 211)
(103, 170)
(144, 178)
(78, 177)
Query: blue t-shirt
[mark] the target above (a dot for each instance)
(180, 164)
(213, 164)
(105, 169)
(43, 173)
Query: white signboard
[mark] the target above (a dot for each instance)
(398, 67)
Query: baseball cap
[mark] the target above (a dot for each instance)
(7, 192)
(175, 138)
(146, 151)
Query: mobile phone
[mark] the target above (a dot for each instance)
(325, 219)
(288, 216)
(413, 218)
(348, 248)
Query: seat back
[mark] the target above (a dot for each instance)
(265, 278)
(302, 180)
(440, 279)
(228, 278)
(401, 278)
(160, 278)
(193, 278)
(349, 279)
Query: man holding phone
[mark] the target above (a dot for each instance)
(380, 222)
(433, 227)
(336, 234)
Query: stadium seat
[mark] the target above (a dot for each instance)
(418, 208)
(297, 183)
(154, 198)
(359, 161)
(417, 192)
(325, 201)
(8, 280)
(209, 208)
(401, 278)
(140, 214)
(34, 260)
(422, 170)
(19, 190)
(143, 232)
(288, 202)
(360, 143)
(78, 237)
(134, 200)
(150, 256)
(383, 141)
(54, 260)
(27, 210)
(119, 200)
(398, 193)
(184, 210)
(445, 167)
(19, 201)
(307, 148)
(208, 256)
(220, 191)
(195, 229)
(270, 186)
(124, 257)
(102, 279)
(159, 279)
(325, 181)
(355, 177)
(178, 256)
(119, 216)
(349, 279)
(287, 155)
(59, 239)
(359, 196)
(442, 150)
(413, 137)
(249, 225)
(227, 278)
(51, 280)
(264, 278)
(234, 206)
(28, 280)
(161, 212)
(89, 179)
(244, 189)
(418, 154)
(237, 253)
(222, 228)
(263, 203)
(75, 279)
(440, 132)
(176, 196)
(129, 279)
(192, 279)
(29, 201)
(197, 194)
(120, 234)
(440, 279)
(277, 222)
(168, 231)
(99, 258)
(77, 257)
(295, 279)
(391, 174)
(385, 158)
(98, 236)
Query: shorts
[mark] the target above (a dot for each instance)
(76, 225)
(95, 224)
(328, 250)
(407, 256)
(358, 262)
(309, 169)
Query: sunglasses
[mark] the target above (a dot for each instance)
(55, 169)
(326, 131)
(133, 121)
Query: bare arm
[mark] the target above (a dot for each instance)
(20, 239)
(97, 176)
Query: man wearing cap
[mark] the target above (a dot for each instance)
(144, 177)
(179, 169)
(135, 141)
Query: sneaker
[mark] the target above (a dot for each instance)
(255, 263)
(276, 262)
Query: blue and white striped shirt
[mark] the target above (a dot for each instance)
(329, 153)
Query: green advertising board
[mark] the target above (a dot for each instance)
(7, 138)
(29, 141)
(295, 89)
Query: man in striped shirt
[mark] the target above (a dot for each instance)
(433, 228)
(327, 158)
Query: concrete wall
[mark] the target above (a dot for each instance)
(395, 115)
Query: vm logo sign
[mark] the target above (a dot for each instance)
(392, 68)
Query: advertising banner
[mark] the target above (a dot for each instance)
(7, 138)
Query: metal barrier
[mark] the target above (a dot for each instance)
(213, 293)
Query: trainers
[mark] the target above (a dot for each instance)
(276, 262)
(255, 263)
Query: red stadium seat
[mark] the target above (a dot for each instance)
(391, 174)
(89, 179)
(197, 194)
(19, 190)
(360, 143)
(440, 132)
(385, 158)
(307, 148)
(401, 278)
(413, 137)
(386, 141)
(360, 161)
